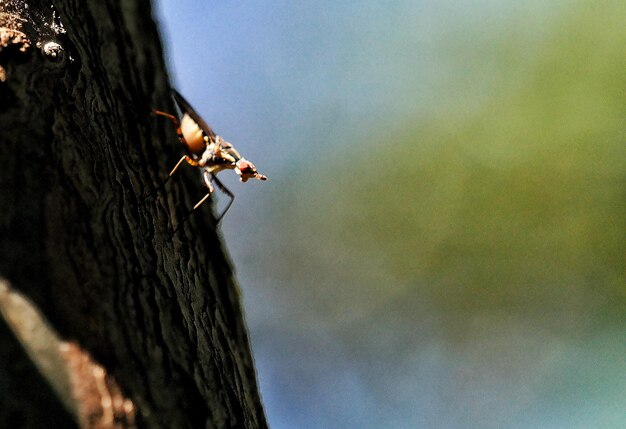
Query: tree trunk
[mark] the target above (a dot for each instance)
(148, 302)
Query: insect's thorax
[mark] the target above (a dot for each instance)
(210, 151)
(217, 157)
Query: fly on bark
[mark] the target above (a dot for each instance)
(208, 151)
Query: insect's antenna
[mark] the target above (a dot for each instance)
(224, 189)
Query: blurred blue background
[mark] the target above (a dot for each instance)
(442, 242)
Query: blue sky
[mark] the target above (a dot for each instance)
(296, 84)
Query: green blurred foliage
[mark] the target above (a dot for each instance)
(509, 200)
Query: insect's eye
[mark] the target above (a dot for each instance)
(245, 167)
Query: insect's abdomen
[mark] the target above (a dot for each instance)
(194, 137)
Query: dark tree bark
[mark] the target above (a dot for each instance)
(157, 307)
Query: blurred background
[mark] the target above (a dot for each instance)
(442, 242)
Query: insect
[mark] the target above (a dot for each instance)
(208, 151)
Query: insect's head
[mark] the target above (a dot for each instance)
(247, 170)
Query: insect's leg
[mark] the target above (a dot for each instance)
(207, 180)
(176, 122)
(180, 161)
(187, 158)
(167, 115)
(224, 189)
(181, 138)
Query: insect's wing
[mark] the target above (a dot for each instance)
(186, 108)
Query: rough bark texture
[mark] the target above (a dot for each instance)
(158, 309)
